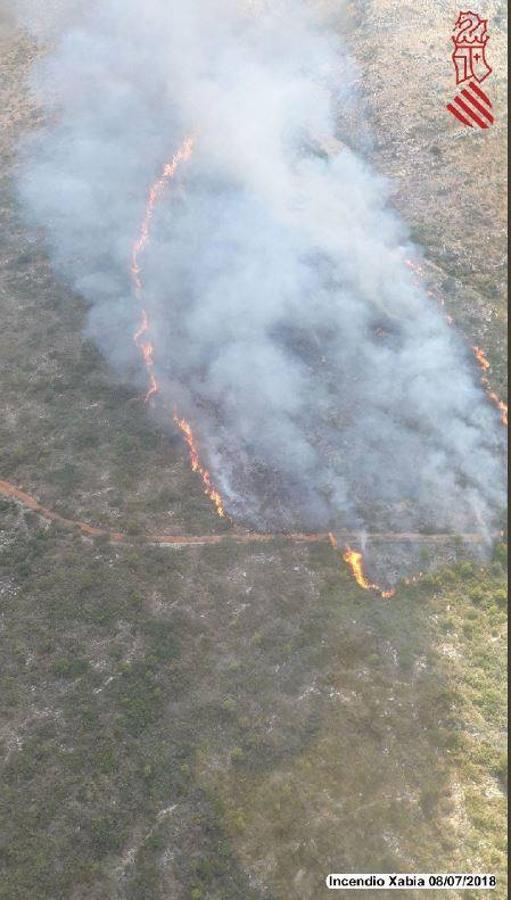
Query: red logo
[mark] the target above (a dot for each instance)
(470, 36)
(472, 106)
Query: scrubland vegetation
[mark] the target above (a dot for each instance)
(216, 723)
(177, 721)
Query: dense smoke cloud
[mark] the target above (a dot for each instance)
(324, 386)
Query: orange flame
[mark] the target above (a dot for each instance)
(169, 170)
(143, 328)
(152, 389)
(196, 465)
(494, 398)
(147, 352)
(355, 561)
(145, 346)
(501, 406)
(479, 354)
(416, 267)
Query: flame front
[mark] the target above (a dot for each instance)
(141, 336)
(355, 562)
(147, 353)
(196, 465)
(155, 191)
(479, 354)
(501, 406)
(484, 365)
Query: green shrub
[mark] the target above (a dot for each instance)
(69, 668)
(106, 835)
(500, 597)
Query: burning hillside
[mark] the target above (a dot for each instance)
(268, 353)
(266, 285)
(142, 334)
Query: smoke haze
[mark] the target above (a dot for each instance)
(324, 386)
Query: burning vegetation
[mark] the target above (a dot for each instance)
(279, 327)
(141, 336)
(355, 562)
(353, 558)
(484, 365)
(482, 360)
(328, 701)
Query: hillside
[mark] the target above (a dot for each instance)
(238, 720)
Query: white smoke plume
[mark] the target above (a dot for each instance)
(323, 384)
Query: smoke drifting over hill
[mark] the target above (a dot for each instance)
(323, 384)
